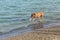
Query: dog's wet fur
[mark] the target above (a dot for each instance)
(38, 15)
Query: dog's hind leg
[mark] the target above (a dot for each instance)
(39, 19)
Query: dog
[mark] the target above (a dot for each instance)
(38, 15)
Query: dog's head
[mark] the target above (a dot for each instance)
(33, 15)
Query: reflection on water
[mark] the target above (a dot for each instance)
(36, 26)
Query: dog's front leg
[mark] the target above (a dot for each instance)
(32, 20)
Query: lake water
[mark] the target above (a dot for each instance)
(16, 13)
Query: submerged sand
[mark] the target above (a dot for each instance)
(52, 33)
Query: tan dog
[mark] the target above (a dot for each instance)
(37, 15)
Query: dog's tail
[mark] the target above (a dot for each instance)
(42, 9)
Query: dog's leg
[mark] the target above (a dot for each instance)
(39, 19)
(42, 17)
(32, 20)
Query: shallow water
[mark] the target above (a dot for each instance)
(16, 13)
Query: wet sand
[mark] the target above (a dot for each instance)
(52, 33)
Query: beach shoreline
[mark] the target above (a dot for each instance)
(52, 31)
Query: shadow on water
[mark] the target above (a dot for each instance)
(36, 26)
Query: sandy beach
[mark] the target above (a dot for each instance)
(52, 33)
